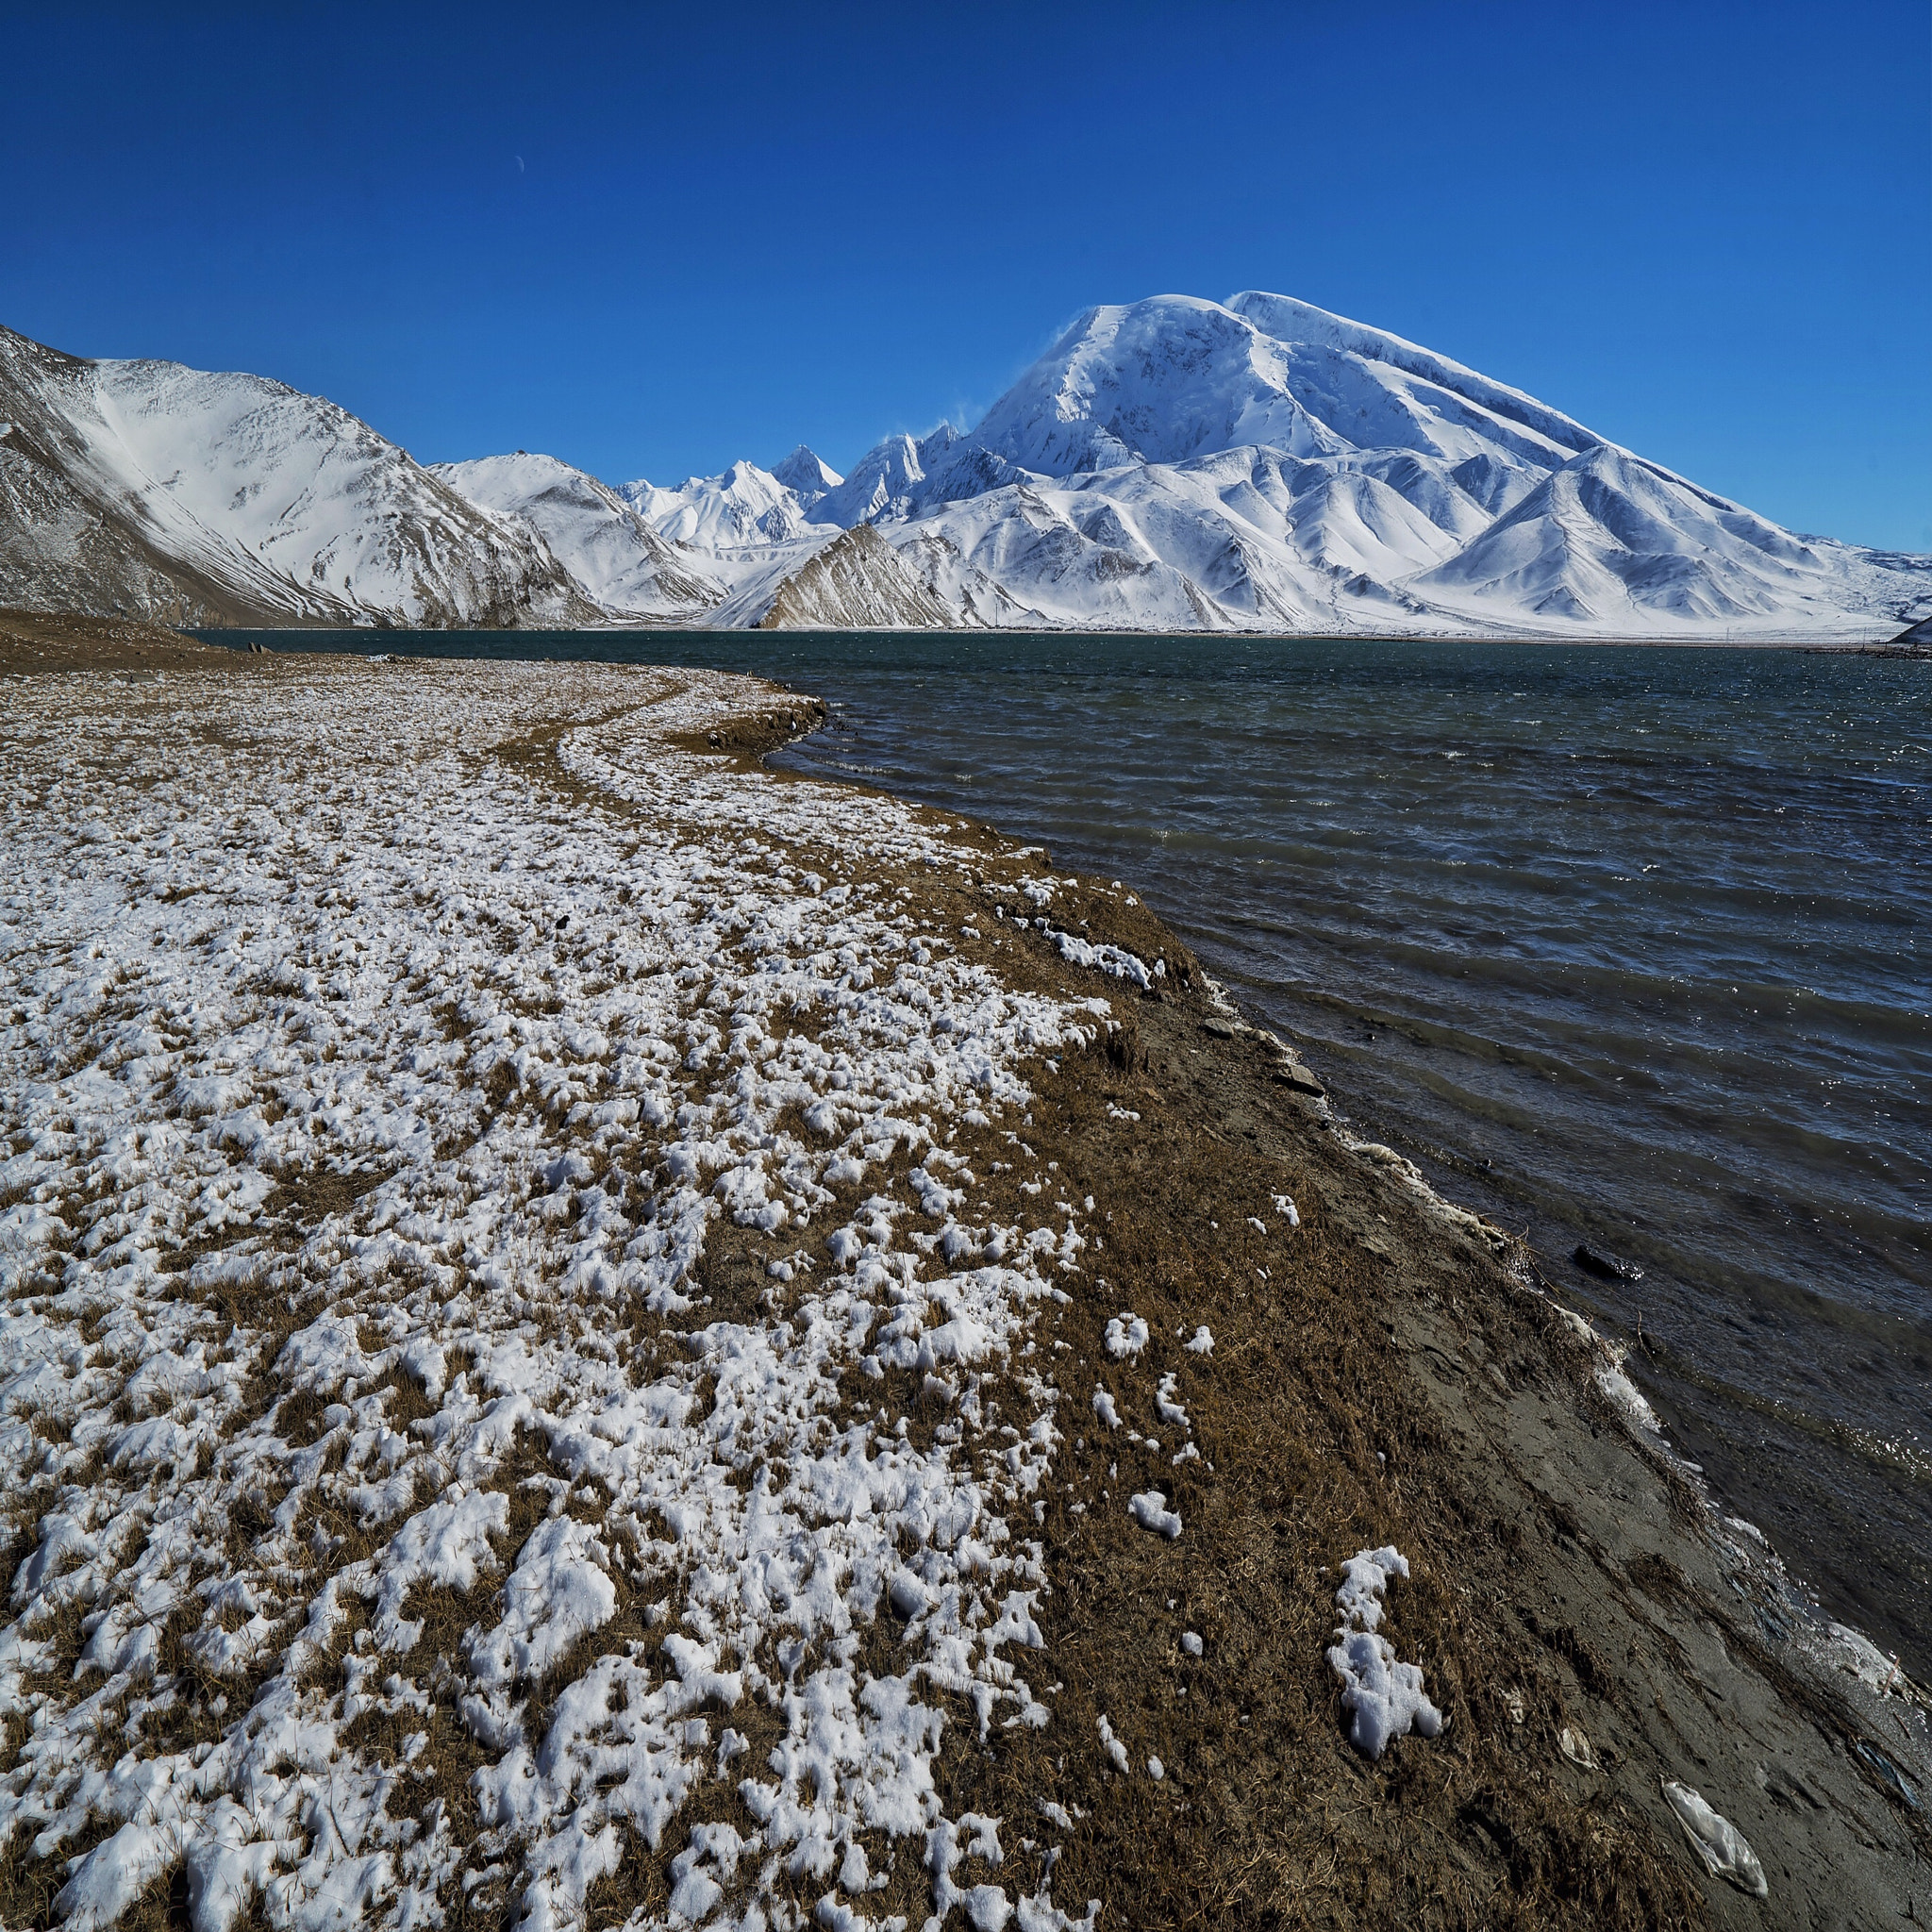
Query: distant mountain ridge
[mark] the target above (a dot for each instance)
(1168, 464)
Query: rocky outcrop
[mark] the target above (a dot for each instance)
(857, 582)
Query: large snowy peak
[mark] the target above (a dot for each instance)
(1153, 381)
(1176, 376)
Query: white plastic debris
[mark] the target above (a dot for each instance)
(1383, 1697)
(1716, 1840)
(1862, 1658)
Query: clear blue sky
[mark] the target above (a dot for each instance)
(652, 240)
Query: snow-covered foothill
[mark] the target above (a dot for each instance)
(377, 1090)
(622, 562)
(1384, 1698)
(179, 493)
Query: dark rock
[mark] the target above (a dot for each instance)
(1605, 1266)
(1300, 1080)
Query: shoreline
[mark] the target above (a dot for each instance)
(22, 633)
(1870, 647)
(1380, 1372)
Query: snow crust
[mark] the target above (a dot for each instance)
(1384, 1698)
(377, 1091)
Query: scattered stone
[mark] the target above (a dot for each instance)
(1297, 1077)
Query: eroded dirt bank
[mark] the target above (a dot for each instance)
(586, 1320)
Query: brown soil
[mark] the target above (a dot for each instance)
(30, 640)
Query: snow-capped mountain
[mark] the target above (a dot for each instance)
(1170, 464)
(621, 563)
(806, 475)
(743, 507)
(148, 489)
(1180, 464)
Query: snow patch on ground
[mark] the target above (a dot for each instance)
(1384, 1698)
(377, 1080)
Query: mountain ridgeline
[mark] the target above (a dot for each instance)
(1173, 464)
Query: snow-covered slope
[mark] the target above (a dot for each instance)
(857, 582)
(150, 487)
(618, 560)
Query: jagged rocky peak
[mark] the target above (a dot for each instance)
(807, 475)
(739, 507)
(889, 480)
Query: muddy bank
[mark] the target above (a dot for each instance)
(1387, 1373)
(672, 1338)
